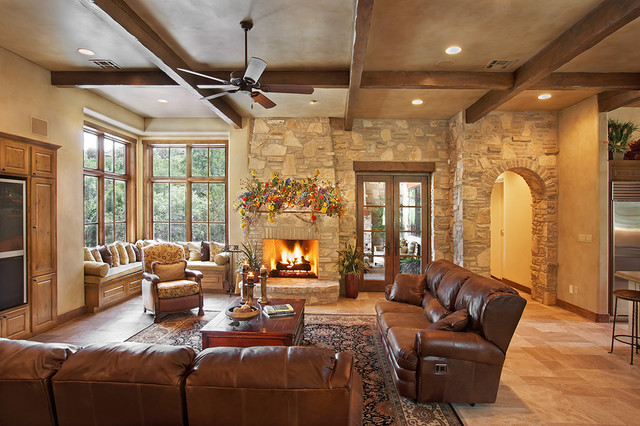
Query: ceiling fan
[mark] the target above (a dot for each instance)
(250, 82)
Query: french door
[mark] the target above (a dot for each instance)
(392, 226)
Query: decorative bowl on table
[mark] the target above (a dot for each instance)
(242, 315)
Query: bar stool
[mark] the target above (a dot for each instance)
(632, 296)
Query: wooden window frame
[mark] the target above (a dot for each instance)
(188, 179)
(128, 177)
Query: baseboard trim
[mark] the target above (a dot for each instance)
(72, 314)
(585, 313)
(513, 284)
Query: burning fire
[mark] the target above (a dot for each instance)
(291, 257)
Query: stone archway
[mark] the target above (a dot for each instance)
(544, 193)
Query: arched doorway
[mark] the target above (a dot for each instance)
(512, 230)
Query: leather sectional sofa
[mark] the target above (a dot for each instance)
(143, 384)
(445, 333)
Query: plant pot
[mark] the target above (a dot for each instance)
(618, 155)
(351, 284)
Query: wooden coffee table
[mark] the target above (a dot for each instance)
(259, 331)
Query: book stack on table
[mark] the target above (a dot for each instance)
(278, 310)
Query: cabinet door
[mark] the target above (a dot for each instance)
(43, 231)
(14, 157)
(15, 323)
(43, 302)
(43, 162)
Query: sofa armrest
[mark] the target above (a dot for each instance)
(151, 277)
(387, 291)
(466, 346)
(193, 273)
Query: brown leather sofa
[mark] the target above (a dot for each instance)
(445, 333)
(145, 384)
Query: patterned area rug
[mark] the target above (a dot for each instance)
(355, 333)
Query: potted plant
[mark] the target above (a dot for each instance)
(253, 258)
(351, 266)
(618, 135)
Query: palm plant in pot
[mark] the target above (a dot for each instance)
(618, 135)
(351, 266)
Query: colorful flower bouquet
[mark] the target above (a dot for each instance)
(276, 195)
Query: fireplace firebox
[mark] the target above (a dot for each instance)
(290, 258)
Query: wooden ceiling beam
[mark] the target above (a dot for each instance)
(362, 22)
(610, 100)
(88, 79)
(435, 80)
(608, 17)
(122, 18)
(583, 80)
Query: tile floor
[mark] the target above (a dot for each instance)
(557, 369)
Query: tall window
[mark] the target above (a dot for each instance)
(188, 187)
(107, 179)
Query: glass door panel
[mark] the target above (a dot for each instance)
(409, 208)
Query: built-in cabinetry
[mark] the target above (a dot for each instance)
(35, 163)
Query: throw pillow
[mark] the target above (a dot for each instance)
(95, 252)
(214, 250)
(105, 255)
(130, 253)
(87, 255)
(194, 251)
(115, 257)
(185, 249)
(137, 252)
(433, 309)
(456, 321)
(205, 254)
(122, 253)
(99, 269)
(169, 271)
(221, 259)
(408, 288)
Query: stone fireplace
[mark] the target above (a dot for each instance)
(290, 258)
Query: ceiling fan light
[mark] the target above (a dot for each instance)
(417, 101)
(544, 96)
(453, 50)
(255, 68)
(86, 52)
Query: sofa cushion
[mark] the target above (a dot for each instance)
(456, 321)
(402, 344)
(214, 250)
(435, 271)
(450, 285)
(401, 319)
(388, 306)
(95, 252)
(433, 309)
(99, 269)
(114, 273)
(408, 288)
(106, 256)
(115, 257)
(123, 256)
(222, 258)
(201, 266)
(87, 255)
(169, 271)
(205, 254)
(194, 251)
(136, 250)
(177, 288)
(130, 253)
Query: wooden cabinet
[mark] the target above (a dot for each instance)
(43, 302)
(42, 241)
(14, 323)
(14, 157)
(43, 162)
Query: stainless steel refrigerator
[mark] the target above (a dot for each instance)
(626, 242)
(13, 289)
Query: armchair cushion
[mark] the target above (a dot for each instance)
(171, 271)
(177, 288)
(456, 321)
(408, 288)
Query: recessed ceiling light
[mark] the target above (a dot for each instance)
(86, 52)
(417, 101)
(163, 101)
(453, 50)
(544, 96)
(313, 101)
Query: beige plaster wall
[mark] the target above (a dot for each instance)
(26, 91)
(580, 206)
(517, 230)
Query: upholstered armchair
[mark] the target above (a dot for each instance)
(167, 285)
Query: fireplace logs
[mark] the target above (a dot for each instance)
(291, 258)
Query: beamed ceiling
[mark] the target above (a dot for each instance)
(364, 58)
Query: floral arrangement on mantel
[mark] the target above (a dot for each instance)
(618, 135)
(278, 195)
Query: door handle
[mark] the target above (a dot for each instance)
(388, 249)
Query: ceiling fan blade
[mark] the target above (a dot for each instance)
(287, 88)
(217, 95)
(216, 86)
(262, 100)
(254, 70)
(204, 75)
